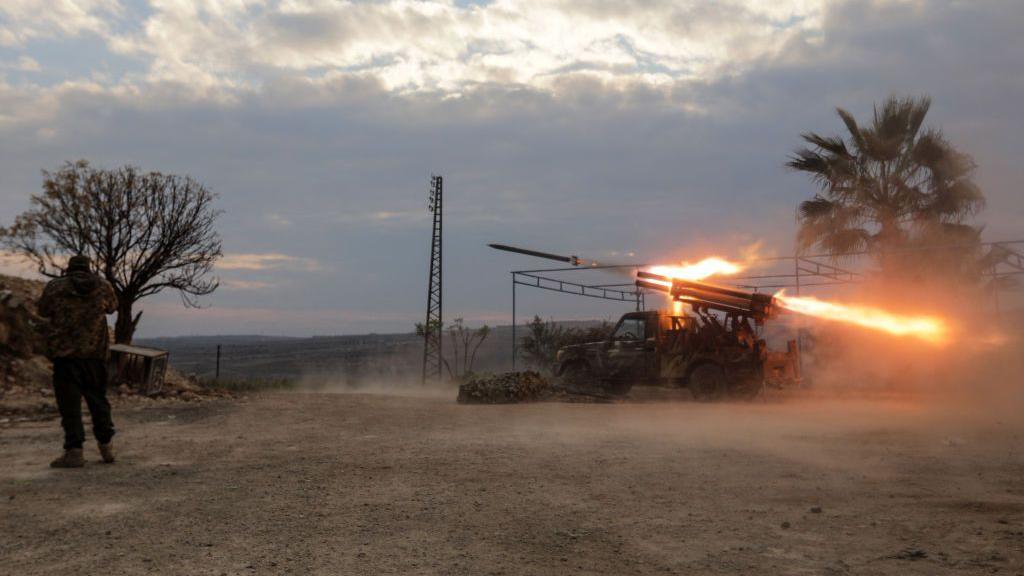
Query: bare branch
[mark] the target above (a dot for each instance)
(145, 232)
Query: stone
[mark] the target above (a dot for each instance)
(505, 388)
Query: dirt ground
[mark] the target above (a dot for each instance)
(317, 483)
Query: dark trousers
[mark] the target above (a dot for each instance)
(73, 379)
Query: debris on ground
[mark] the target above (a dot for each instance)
(176, 386)
(26, 388)
(32, 400)
(526, 386)
(505, 388)
(21, 363)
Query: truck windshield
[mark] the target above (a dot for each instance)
(630, 329)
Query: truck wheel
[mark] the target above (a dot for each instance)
(746, 389)
(619, 387)
(707, 383)
(577, 376)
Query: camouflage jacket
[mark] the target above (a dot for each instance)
(76, 307)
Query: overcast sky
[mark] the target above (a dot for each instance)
(651, 131)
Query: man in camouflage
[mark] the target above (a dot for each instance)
(76, 306)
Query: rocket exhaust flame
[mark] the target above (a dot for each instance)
(676, 281)
(928, 328)
(706, 268)
(663, 277)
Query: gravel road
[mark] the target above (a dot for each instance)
(317, 483)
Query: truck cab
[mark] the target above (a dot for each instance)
(714, 356)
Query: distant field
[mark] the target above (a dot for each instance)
(350, 360)
(344, 359)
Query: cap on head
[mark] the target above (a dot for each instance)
(78, 263)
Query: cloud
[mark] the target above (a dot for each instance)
(236, 284)
(226, 48)
(654, 129)
(23, 64)
(25, 20)
(268, 261)
(13, 264)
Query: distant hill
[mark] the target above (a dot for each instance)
(349, 359)
(172, 341)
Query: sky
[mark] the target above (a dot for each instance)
(621, 131)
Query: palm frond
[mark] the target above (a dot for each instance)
(818, 166)
(952, 202)
(852, 128)
(917, 114)
(832, 144)
(929, 149)
(817, 207)
(846, 241)
(889, 185)
(806, 160)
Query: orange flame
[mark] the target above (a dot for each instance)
(712, 266)
(928, 328)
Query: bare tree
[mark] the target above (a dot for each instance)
(144, 232)
(465, 342)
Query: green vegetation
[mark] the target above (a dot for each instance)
(539, 347)
(890, 188)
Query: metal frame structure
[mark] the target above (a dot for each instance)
(433, 328)
(808, 271)
(619, 292)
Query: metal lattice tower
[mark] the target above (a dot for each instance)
(432, 328)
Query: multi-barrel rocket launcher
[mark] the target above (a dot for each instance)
(717, 341)
(729, 335)
(715, 352)
(702, 296)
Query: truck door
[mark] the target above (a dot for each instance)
(629, 352)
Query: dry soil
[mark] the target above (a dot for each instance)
(304, 483)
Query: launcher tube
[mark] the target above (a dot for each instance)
(711, 295)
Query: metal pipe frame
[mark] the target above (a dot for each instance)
(805, 267)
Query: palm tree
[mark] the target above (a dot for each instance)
(887, 187)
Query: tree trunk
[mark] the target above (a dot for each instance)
(124, 328)
(891, 239)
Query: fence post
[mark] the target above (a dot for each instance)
(514, 343)
(799, 327)
(217, 371)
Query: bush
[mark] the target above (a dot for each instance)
(540, 346)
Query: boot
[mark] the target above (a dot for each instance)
(72, 458)
(107, 452)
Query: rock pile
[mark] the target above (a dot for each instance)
(19, 339)
(177, 386)
(504, 388)
(26, 391)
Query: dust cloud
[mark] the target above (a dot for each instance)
(852, 374)
(396, 373)
(977, 370)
